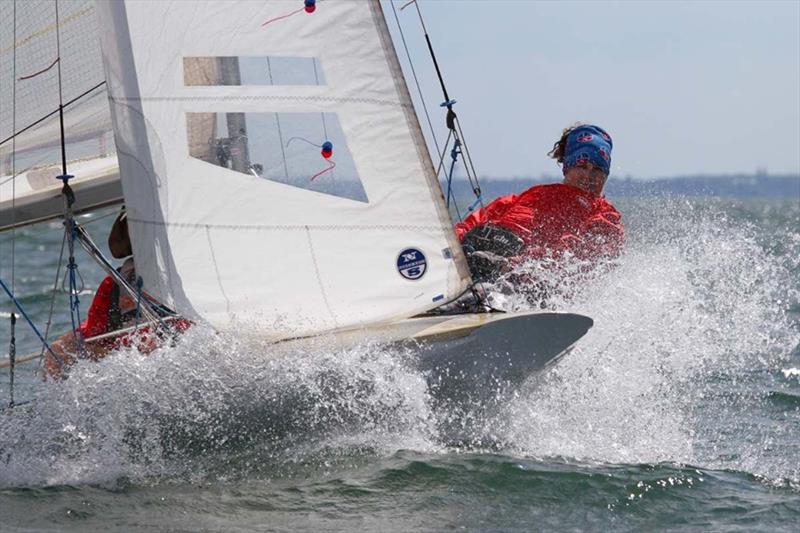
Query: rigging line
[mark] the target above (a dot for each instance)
(433, 56)
(416, 80)
(444, 151)
(322, 114)
(27, 319)
(53, 297)
(454, 158)
(91, 248)
(449, 104)
(278, 122)
(450, 176)
(324, 131)
(12, 359)
(302, 139)
(476, 186)
(50, 114)
(283, 150)
(98, 219)
(69, 199)
(60, 98)
(466, 150)
(14, 156)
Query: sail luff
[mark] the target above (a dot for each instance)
(419, 139)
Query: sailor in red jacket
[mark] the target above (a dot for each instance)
(557, 221)
(111, 310)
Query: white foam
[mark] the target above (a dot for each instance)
(789, 372)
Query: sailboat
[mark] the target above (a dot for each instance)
(275, 175)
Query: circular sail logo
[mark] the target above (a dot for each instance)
(411, 264)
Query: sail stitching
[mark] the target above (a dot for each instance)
(216, 270)
(292, 227)
(319, 277)
(251, 97)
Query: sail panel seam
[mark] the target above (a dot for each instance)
(252, 97)
(216, 270)
(319, 277)
(292, 227)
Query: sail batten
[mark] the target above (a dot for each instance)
(296, 195)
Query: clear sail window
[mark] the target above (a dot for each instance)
(250, 70)
(305, 150)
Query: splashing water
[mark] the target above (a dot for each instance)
(686, 329)
(691, 330)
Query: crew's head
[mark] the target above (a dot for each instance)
(119, 242)
(584, 152)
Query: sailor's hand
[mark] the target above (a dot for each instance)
(486, 266)
(490, 258)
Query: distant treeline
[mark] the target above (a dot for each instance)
(731, 186)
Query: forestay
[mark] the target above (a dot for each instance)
(274, 171)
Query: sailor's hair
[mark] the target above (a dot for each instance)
(560, 146)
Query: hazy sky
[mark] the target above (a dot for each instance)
(682, 87)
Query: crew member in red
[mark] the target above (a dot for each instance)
(111, 309)
(559, 220)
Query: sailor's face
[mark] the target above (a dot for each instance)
(587, 177)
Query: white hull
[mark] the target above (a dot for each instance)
(461, 352)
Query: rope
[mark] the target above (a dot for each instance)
(12, 359)
(416, 80)
(283, 16)
(29, 76)
(28, 320)
(72, 273)
(322, 113)
(331, 166)
(454, 156)
(452, 120)
(476, 188)
(139, 284)
(150, 310)
(441, 156)
(50, 114)
(14, 157)
(283, 150)
(60, 97)
(53, 297)
(277, 118)
(12, 347)
(302, 139)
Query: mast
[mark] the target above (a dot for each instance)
(237, 128)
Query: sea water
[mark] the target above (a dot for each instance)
(680, 409)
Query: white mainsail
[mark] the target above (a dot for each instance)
(316, 206)
(38, 40)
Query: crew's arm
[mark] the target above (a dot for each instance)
(96, 322)
(603, 235)
(493, 212)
